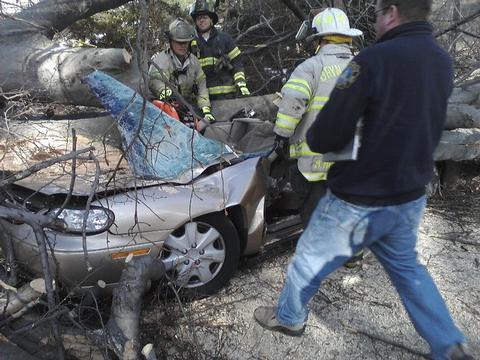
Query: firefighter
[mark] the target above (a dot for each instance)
(303, 96)
(218, 55)
(177, 67)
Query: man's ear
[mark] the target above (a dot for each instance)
(393, 16)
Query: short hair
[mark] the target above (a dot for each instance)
(410, 10)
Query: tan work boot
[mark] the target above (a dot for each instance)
(266, 317)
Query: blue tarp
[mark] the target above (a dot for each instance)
(157, 147)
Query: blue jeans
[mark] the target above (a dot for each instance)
(336, 231)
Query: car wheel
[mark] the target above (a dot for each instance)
(201, 256)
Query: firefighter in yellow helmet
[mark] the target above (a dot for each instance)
(177, 67)
(303, 96)
(219, 55)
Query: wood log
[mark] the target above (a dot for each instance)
(55, 73)
(464, 108)
(33, 62)
(123, 326)
(459, 145)
(16, 300)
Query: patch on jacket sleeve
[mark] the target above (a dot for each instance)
(348, 76)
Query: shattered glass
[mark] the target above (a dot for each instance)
(156, 145)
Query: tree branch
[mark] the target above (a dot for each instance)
(40, 166)
(459, 23)
(295, 9)
(56, 15)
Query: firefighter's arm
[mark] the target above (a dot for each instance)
(234, 56)
(296, 95)
(158, 87)
(335, 125)
(156, 83)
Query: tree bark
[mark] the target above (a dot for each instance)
(24, 296)
(295, 9)
(464, 108)
(459, 145)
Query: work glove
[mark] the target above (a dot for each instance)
(207, 115)
(281, 146)
(243, 89)
(164, 94)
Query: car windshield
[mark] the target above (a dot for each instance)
(157, 146)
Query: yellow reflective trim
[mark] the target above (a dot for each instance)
(281, 125)
(315, 107)
(201, 76)
(318, 102)
(301, 149)
(300, 81)
(286, 122)
(239, 76)
(208, 61)
(288, 118)
(221, 89)
(330, 72)
(297, 88)
(320, 165)
(315, 176)
(234, 53)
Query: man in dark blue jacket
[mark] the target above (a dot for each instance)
(398, 90)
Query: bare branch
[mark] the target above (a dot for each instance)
(42, 165)
(459, 23)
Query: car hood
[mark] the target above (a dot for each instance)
(105, 180)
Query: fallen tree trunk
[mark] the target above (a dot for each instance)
(464, 108)
(123, 326)
(17, 299)
(48, 71)
(459, 145)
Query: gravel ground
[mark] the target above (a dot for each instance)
(356, 315)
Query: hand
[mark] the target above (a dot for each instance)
(281, 146)
(209, 118)
(207, 115)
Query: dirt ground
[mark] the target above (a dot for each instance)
(356, 314)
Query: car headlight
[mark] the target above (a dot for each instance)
(99, 219)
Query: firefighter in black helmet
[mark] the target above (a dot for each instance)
(218, 55)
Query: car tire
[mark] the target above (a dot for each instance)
(196, 274)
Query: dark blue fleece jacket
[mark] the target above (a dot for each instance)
(400, 87)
